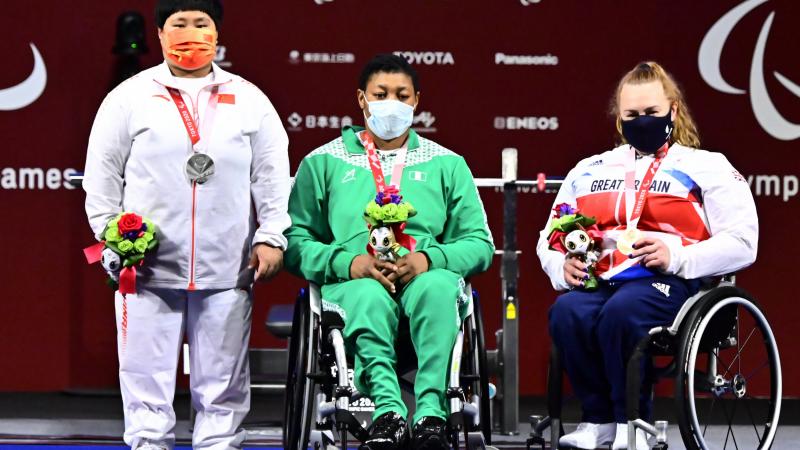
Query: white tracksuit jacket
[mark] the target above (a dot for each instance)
(136, 162)
(698, 205)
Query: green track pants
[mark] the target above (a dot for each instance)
(434, 303)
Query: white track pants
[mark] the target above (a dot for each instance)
(150, 327)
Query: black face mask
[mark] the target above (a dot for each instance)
(648, 133)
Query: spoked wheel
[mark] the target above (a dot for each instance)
(483, 371)
(299, 401)
(729, 391)
(473, 363)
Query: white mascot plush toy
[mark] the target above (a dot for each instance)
(382, 240)
(111, 262)
(579, 243)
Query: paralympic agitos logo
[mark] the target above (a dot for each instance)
(25, 93)
(709, 57)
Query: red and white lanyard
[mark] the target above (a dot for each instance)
(635, 205)
(189, 121)
(375, 164)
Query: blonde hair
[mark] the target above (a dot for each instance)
(685, 132)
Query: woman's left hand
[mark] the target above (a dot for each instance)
(655, 252)
(408, 267)
(267, 261)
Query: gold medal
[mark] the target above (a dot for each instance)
(626, 240)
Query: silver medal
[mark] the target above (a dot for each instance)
(199, 168)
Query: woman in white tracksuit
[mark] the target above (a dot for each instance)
(219, 229)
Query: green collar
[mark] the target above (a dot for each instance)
(353, 144)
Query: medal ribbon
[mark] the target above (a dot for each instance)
(375, 164)
(635, 206)
(405, 241)
(189, 121)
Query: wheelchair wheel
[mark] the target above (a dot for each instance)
(730, 375)
(474, 381)
(483, 370)
(299, 401)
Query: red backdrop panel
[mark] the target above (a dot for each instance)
(57, 317)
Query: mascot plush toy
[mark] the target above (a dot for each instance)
(579, 244)
(384, 245)
(574, 234)
(386, 216)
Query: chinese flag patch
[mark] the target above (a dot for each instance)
(229, 99)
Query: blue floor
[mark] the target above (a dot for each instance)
(98, 447)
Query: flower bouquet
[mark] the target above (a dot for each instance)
(386, 216)
(128, 238)
(574, 234)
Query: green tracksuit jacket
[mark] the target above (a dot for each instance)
(332, 187)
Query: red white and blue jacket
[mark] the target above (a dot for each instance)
(698, 205)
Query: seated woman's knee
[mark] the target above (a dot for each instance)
(436, 286)
(430, 279)
(366, 287)
(618, 312)
(564, 308)
(370, 295)
(563, 317)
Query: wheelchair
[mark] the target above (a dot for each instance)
(727, 370)
(322, 406)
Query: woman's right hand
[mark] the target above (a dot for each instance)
(575, 271)
(367, 266)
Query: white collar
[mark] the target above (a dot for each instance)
(164, 76)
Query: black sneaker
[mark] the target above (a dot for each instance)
(430, 433)
(387, 432)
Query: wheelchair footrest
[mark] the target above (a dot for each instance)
(456, 392)
(343, 391)
(537, 441)
(475, 441)
(538, 425)
(321, 439)
(346, 420)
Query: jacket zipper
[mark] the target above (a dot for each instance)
(192, 286)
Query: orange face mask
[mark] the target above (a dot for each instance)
(190, 48)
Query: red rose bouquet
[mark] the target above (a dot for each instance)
(127, 239)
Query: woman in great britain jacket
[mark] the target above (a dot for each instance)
(664, 220)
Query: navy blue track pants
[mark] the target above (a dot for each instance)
(596, 332)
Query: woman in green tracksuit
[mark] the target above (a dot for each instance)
(328, 246)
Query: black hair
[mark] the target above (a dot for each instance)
(166, 8)
(387, 63)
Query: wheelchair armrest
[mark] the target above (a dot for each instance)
(279, 320)
(471, 294)
(690, 303)
(315, 297)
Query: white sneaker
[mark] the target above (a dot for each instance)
(621, 441)
(589, 435)
(148, 445)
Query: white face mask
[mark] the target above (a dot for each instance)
(389, 118)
